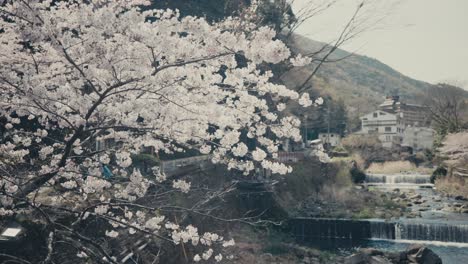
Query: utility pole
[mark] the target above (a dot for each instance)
(305, 128)
(328, 124)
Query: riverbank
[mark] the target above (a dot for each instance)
(427, 216)
(353, 203)
(272, 247)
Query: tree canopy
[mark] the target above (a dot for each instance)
(76, 73)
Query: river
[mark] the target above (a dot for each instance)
(440, 225)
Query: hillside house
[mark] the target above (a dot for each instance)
(386, 125)
(399, 124)
(331, 139)
(411, 114)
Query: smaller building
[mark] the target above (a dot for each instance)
(331, 139)
(290, 157)
(418, 138)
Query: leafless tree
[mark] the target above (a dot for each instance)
(448, 107)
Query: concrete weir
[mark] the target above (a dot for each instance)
(398, 178)
(307, 229)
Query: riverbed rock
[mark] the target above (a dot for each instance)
(397, 257)
(362, 258)
(413, 214)
(419, 254)
(301, 251)
(416, 196)
(371, 251)
(358, 258)
(448, 209)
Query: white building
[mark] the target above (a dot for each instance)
(333, 139)
(385, 125)
(391, 131)
(412, 114)
(418, 138)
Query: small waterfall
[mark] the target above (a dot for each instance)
(312, 228)
(382, 229)
(444, 232)
(398, 178)
(397, 231)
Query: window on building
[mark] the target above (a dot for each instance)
(388, 129)
(332, 135)
(376, 114)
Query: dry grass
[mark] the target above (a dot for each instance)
(356, 157)
(360, 142)
(454, 186)
(391, 167)
(396, 167)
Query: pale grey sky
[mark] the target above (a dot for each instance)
(423, 39)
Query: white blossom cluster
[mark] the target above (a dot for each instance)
(300, 61)
(105, 71)
(181, 185)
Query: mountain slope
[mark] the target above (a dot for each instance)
(361, 82)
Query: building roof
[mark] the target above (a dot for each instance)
(379, 111)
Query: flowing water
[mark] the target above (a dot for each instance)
(446, 233)
(399, 178)
(403, 229)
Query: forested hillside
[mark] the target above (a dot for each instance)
(361, 82)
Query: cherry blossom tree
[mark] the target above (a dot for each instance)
(73, 73)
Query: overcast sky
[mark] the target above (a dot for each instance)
(423, 39)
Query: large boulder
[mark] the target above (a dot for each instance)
(420, 254)
(371, 251)
(397, 257)
(365, 258)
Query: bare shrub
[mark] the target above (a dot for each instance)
(455, 186)
(360, 142)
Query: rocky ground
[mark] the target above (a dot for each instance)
(357, 203)
(414, 254)
(428, 202)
